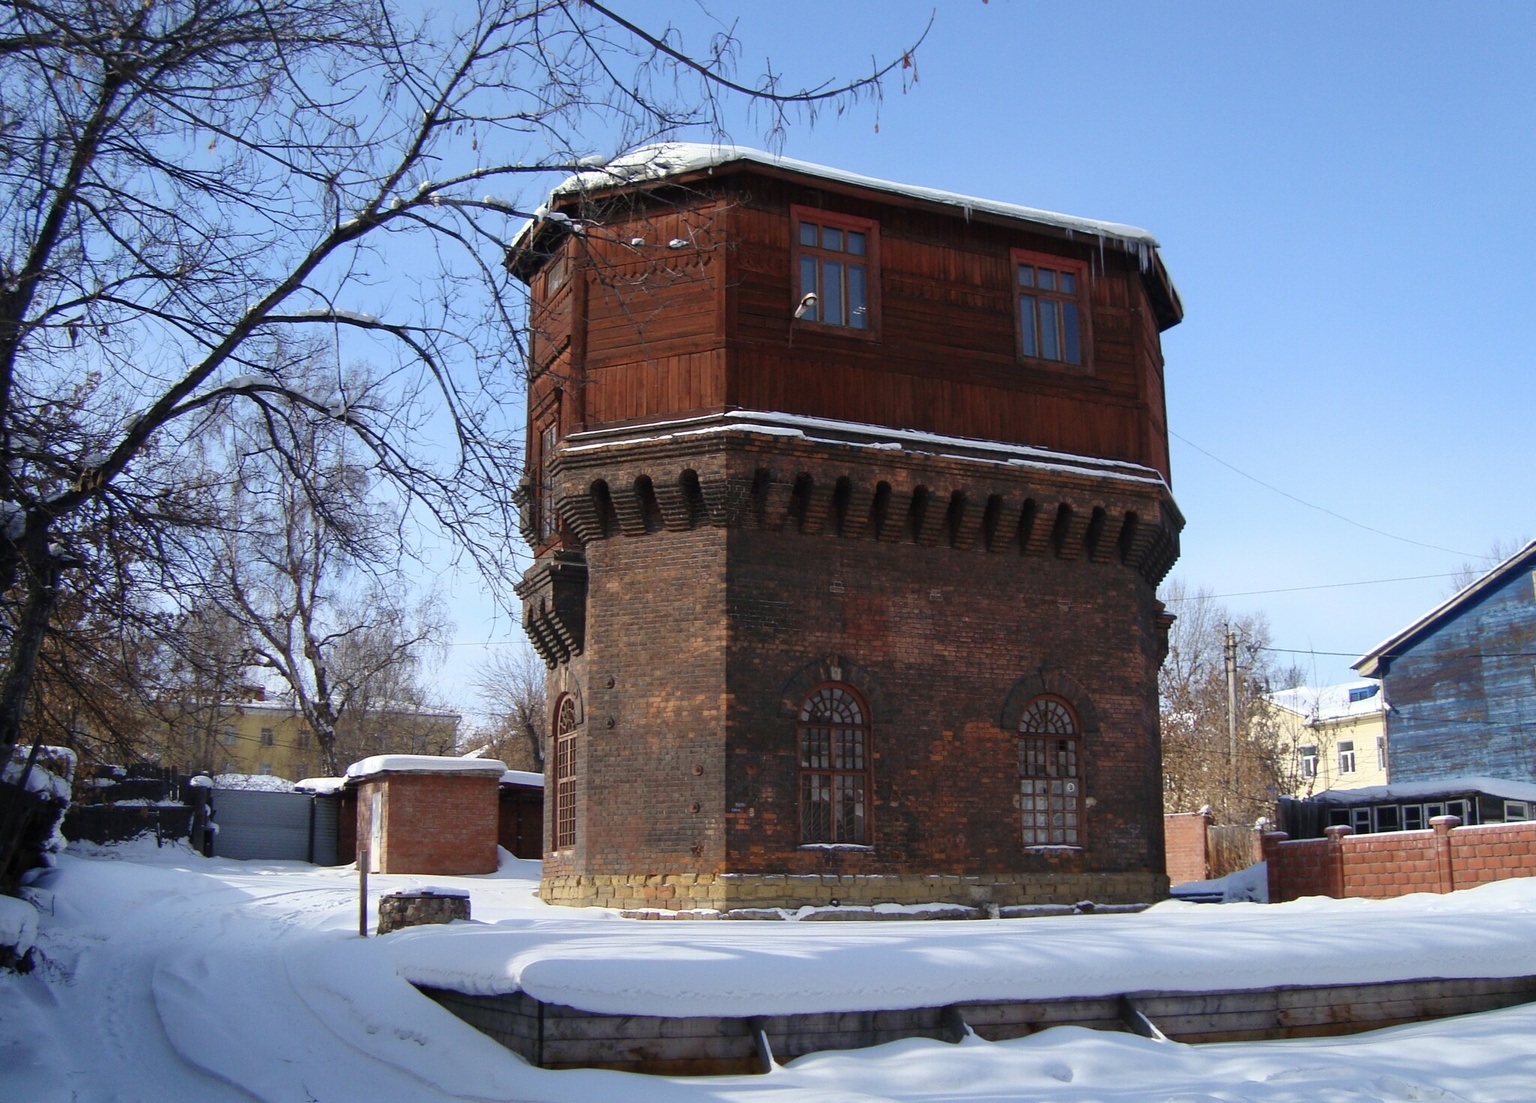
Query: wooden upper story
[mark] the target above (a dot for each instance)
(673, 289)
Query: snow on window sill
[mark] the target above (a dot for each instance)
(835, 846)
(1054, 846)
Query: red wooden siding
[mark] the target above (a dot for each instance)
(671, 332)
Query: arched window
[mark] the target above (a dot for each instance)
(565, 773)
(834, 767)
(1050, 779)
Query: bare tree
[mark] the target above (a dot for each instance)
(204, 669)
(1469, 572)
(1198, 763)
(511, 686)
(304, 557)
(187, 185)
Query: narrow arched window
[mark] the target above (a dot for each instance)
(1050, 781)
(834, 767)
(565, 773)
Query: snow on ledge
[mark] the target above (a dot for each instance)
(855, 434)
(424, 764)
(523, 777)
(321, 786)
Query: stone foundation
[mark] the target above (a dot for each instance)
(416, 909)
(729, 891)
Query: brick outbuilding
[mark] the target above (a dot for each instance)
(426, 814)
(849, 502)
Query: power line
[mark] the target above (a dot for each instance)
(1318, 586)
(1321, 509)
(1362, 651)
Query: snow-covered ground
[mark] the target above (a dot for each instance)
(168, 977)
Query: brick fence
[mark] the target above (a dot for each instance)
(1396, 863)
(1185, 843)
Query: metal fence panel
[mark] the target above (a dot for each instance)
(326, 821)
(256, 824)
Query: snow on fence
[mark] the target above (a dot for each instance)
(1395, 863)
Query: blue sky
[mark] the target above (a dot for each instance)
(1344, 198)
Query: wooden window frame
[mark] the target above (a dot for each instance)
(547, 520)
(562, 825)
(871, 231)
(556, 272)
(1051, 805)
(1346, 753)
(824, 767)
(1079, 271)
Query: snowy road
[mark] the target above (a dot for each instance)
(168, 977)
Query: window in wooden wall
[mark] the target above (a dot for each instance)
(837, 257)
(549, 437)
(565, 773)
(1050, 779)
(268, 737)
(1347, 756)
(1052, 308)
(834, 767)
(556, 272)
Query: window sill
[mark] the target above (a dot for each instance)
(836, 846)
(1052, 846)
(869, 333)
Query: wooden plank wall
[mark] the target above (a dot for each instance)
(669, 332)
(1462, 697)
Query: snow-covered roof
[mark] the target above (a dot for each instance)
(522, 777)
(830, 431)
(265, 783)
(669, 159)
(1321, 704)
(423, 764)
(1426, 790)
(1377, 662)
(320, 785)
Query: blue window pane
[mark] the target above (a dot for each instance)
(1069, 283)
(856, 243)
(832, 238)
(808, 283)
(1026, 276)
(858, 306)
(1050, 343)
(1027, 317)
(1073, 353)
(1047, 280)
(807, 233)
(831, 293)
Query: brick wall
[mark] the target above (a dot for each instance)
(1184, 837)
(1396, 863)
(432, 822)
(701, 640)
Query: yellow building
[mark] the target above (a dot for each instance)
(1331, 737)
(271, 737)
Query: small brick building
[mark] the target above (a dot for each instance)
(426, 814)
(849, 502)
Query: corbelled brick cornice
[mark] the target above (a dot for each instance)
(862, 482)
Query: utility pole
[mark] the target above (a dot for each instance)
(1229, 653)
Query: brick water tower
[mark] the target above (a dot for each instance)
(849, 501)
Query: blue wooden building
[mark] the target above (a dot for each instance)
(1460, 681)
